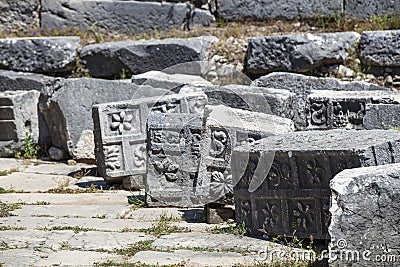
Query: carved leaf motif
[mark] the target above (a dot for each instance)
(111, 158)
(116, 118)
(221, 183)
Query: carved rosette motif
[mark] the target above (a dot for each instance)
(314, 171)
(167, 168)
(279, 175)
(303, 217)
(271, 215)
(121, 122)
(221, 183)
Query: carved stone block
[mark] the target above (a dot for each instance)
(293, 194)
(224, 129)
(120, 132)
(18, 116)
(333, 109)
(173, 158)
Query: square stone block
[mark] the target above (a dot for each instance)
(120, 131)
(293, 194)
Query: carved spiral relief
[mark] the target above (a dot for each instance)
(219, 141)
(318, 113)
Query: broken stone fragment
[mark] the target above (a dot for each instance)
(297, 53)
(365, 213)
(117, 59)
(18, 120)
(39, 54)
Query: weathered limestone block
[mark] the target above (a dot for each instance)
(19, 14)
(347, 109)
(277, 102)
(365, 214)
(39, 54)
(121, 16)
(23, 81)
(224, 129)
(368, 8)
(173, 159)
(303, 85)
(171, 82)
(380, 51)
(293, 198)
(111, 60)
(68, 110)
(298, 83)
(234, 10)
(15, 81)
(297, 53)
(382, 116)
(18, 117)
(120, 132)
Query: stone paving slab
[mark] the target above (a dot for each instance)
(32, 182)
(119, 197)
(221, 242)
(20, 257)
(192, 258)
(87, 211)
(153, 214)
(77, 258)
(90, 223)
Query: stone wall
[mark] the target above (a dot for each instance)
(146, 15)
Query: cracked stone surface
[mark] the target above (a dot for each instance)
(82, 229)
(365, 211)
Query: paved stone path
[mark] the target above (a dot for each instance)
(53, 214)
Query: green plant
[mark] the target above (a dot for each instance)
(29, 149)
(236, 229)
(163, 227)
(5, 209)
(11, 228)
(135, 248)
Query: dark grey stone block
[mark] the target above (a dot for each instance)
(234, 10)
(365, 215)
(293, 198)
(368, 8)
(380, 51)
(110, 60)
(39, 54)
(173, 159)
(303, 85)
(224, 129)
(258, 99)
(297, 53)
(120, 132)
(121, 16)
(382, 116)
(18, 116)
(347, 109)
(19, 14)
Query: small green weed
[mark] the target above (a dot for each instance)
(5, 209)
(29, 149)
(237, 229)
(11, 228)
(76, 229)
(135, 248)
(163, 227)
